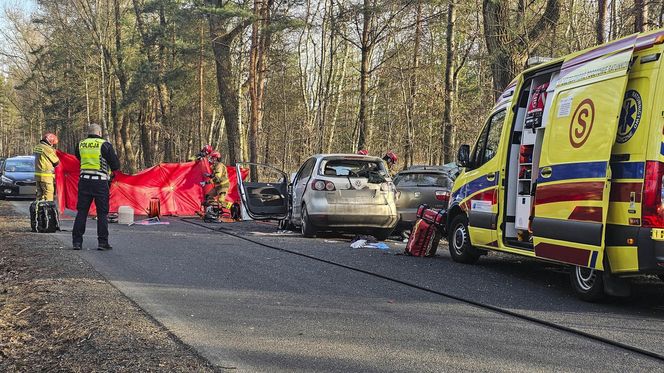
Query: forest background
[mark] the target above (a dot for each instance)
(274, 81)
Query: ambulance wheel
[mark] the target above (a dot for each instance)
(588, 284)
(461, 250)
(308, 229)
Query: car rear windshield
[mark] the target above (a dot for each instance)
(20, 165)
(352, 168)
(421, 180)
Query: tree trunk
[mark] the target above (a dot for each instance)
(365, 74)
(449, 94)
(600, 29)
(410, 106)
(222, 40)
(640, 16)
(260, 36)
(509, 50)
(201, 86)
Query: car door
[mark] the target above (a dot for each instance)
(572, 192)
(299, 187)
(480, 193)
(265, 193)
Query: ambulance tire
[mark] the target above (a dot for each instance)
(588, 284)
(307, 228)
(461, 250)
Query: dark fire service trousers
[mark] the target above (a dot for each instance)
(88, 191)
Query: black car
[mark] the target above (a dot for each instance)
(430, 185)
(17, 177)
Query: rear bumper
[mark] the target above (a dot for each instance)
(649, 252)
(325, 215)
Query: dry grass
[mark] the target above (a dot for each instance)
(58, 314)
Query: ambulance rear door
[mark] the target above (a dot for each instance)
(572, 192)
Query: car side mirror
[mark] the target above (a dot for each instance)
(463, 156)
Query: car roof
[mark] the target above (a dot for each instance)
(347, 156)
(21, 157)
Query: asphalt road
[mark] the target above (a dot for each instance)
(253, 308)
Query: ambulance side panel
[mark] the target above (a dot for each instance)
(572, 192)
(638, 140)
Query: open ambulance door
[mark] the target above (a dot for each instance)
(572, 193)
(264, 194)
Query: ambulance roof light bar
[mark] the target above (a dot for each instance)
(537, 60)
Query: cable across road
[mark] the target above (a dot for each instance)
(485, 306)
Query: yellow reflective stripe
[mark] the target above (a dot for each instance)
(44, 175)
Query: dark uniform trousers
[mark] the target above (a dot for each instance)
(88, 191)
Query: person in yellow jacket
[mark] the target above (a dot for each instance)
(220, 180)
(45, 162)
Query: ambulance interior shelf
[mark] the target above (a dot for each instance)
(532, 111)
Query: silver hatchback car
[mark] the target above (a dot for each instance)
(330, 192)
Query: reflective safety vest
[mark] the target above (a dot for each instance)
(92, 163)
(45, 159)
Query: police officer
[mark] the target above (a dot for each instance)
(45, 162)
(98, 160)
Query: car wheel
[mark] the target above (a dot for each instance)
(587, 283)
(308, 229)
(382, 234)
(461, 250)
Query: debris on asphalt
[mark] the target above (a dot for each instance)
(150, 221)
(365, 244)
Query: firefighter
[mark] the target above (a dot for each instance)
(391, 159)
(220, 180)
(204, 152)
(45, 162)
(98, 160)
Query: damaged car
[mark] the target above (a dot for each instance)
(329, 193)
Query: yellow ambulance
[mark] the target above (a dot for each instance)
(569, 168)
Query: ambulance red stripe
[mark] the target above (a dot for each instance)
(579, 191)
(586, 213)
(621, 192)
(561, 253)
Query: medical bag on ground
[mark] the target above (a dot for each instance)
(44, 217)
(427, 232)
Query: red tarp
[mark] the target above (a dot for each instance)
(177, 185)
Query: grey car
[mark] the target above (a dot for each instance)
(17, 177)
(430, 185)
(329, 192)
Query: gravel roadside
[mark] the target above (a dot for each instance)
(58, 314)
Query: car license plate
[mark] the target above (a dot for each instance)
(25, 190)
(657, 234)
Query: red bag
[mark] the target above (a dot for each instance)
(427, 232)
(423, 240)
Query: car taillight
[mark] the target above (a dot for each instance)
(653, 196)
(442, 195)
(323, 185)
